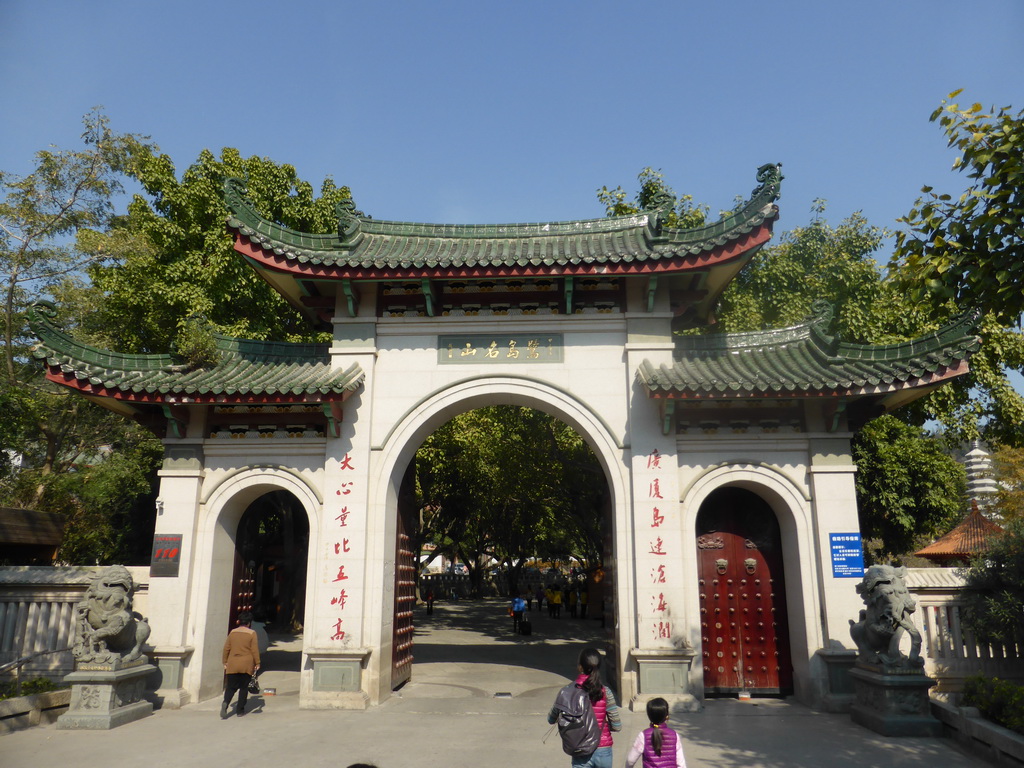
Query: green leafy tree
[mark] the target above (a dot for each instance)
(818, 261)
(995, 594)
(64, 442)
(654, 193)
(180, 262)
(510, 483)
(968, 252)
(908, 488)
(970, 248)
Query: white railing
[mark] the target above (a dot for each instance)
(950, 650)
(37, 614)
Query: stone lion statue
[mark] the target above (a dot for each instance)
(107, 629)
(886, 618)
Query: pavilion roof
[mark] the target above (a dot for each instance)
(804, 361)
(24, 526)
(247, 371)
(971, 537)
(369, 248)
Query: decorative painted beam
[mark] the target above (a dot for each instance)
(567, 288)
(652, 289)
(427, 286)
(351, 297)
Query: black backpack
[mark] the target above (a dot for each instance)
(577, 724)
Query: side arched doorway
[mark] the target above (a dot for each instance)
(744, 621)
(271, 550)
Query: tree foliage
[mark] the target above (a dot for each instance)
(180, 262)
(510, 483)
(779, 285)
(995, 581)
(970, 249)
(967, 252)
(75, 458)
(654, 193)
(908, 488)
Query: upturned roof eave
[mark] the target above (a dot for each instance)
(365, 248)
(802, 362)
(263, 258)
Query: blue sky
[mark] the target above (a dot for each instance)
(475, 112)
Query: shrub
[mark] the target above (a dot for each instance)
(28, 687)
(1000, 701)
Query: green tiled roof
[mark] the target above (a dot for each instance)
(366, 243)
(803, 360)
(245, 369)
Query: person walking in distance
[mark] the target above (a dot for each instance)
(241, 661)
(518, 606)
(606, 710)
(659, 745)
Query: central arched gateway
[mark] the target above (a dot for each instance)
(579, 319)
(423, 417)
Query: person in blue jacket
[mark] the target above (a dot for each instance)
(518, 606)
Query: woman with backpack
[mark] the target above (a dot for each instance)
(659, 745)
(603, 709)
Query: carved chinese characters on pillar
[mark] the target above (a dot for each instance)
(341, 547)
(658, 547)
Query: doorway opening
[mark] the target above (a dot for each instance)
(500, 502)
(269, 580)
(744, 623)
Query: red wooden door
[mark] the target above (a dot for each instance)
(744, 627)
(243, 589)
(405, 585)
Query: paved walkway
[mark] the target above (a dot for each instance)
(478, 697)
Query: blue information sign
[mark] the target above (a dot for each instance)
(847, 555)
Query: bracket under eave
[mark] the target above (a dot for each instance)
(335, 415)
(652, 289)
(667, 410)
(837, 414)
(428, 295)
(177, 419)
(351, 297)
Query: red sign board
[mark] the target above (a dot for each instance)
(166, 554)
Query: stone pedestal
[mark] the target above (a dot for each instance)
(893, 702)
(170, 663)
(664, 672)
(336, 679)
(104, 696)
(839, 696)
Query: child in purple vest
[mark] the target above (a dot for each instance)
(660, 746)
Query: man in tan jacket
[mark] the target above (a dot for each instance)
(241, 660)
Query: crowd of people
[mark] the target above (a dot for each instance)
(574, 598)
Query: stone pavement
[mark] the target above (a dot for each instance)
(479, 697)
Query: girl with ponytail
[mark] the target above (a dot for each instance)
(606, 710)
(659, 745)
